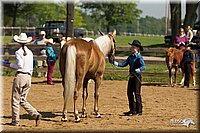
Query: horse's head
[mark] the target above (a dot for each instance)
(169, 57)
(111, 54)
(107, 45)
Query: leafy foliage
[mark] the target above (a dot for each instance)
(107, 14)
(124, 17)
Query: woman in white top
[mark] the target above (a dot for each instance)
(189, 33)
(22, 80)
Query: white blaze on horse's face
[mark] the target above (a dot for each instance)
(170, 57)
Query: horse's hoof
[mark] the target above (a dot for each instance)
(84, 115)
(77, 120)
(98, 116)
(64, 119)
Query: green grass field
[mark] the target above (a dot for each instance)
(155, 41)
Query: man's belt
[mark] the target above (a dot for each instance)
(20, 72)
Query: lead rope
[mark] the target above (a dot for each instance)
(114, 72)
(114, 69)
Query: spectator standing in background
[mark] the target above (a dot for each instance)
(42, 63)
(51, 60)
(189, 33)
(181, 41)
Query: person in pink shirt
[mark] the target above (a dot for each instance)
(181, 41)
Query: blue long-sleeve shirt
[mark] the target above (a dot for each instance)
(131, 61)
(51, 54)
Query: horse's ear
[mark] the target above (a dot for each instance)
(101, 33)
(114, 33)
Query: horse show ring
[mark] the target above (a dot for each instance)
(162, 105)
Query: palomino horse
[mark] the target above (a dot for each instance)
(173, 59)
(80, 61)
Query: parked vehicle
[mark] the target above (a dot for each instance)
(54, 29)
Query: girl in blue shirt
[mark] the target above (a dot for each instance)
(51, 60)
(137, 65)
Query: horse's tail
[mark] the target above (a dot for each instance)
(70, 78)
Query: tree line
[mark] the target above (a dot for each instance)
(125, 17)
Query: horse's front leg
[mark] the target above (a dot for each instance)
(175, 74)
(96, 95)
(170, 77)
(85, 96)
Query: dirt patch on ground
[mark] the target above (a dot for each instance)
(163, 108)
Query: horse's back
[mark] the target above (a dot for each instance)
(90, 60)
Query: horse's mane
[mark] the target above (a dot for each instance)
(102, 43)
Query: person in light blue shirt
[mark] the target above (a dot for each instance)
(137, 65)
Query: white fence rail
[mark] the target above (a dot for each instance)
(10, 31)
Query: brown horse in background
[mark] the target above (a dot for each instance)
(173, 59)
(81, 60)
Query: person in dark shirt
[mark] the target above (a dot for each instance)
(186, 62)
(137, 65)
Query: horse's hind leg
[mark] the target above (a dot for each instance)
(85, 96)
(193, 73)
(64, 115)
(193, 77)
(76, 93)
(183, 78)
(96, 95)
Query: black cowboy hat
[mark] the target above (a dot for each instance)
(137, 43)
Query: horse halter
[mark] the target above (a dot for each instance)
(113, 47)
(170, 58)
(111, 56)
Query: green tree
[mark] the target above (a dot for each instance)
(152, 25)
(35, 14)
(109, 14)
(191, 15)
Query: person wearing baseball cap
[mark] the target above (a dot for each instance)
(22, 81)
(42, 63)
(137, 65)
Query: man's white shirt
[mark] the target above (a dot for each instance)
(23, 63)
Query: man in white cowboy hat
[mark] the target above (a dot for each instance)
(41, 63)
(22, 81)
(51, 60)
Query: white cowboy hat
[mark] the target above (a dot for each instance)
(22, 38)
(42, 33)
(50, 41)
